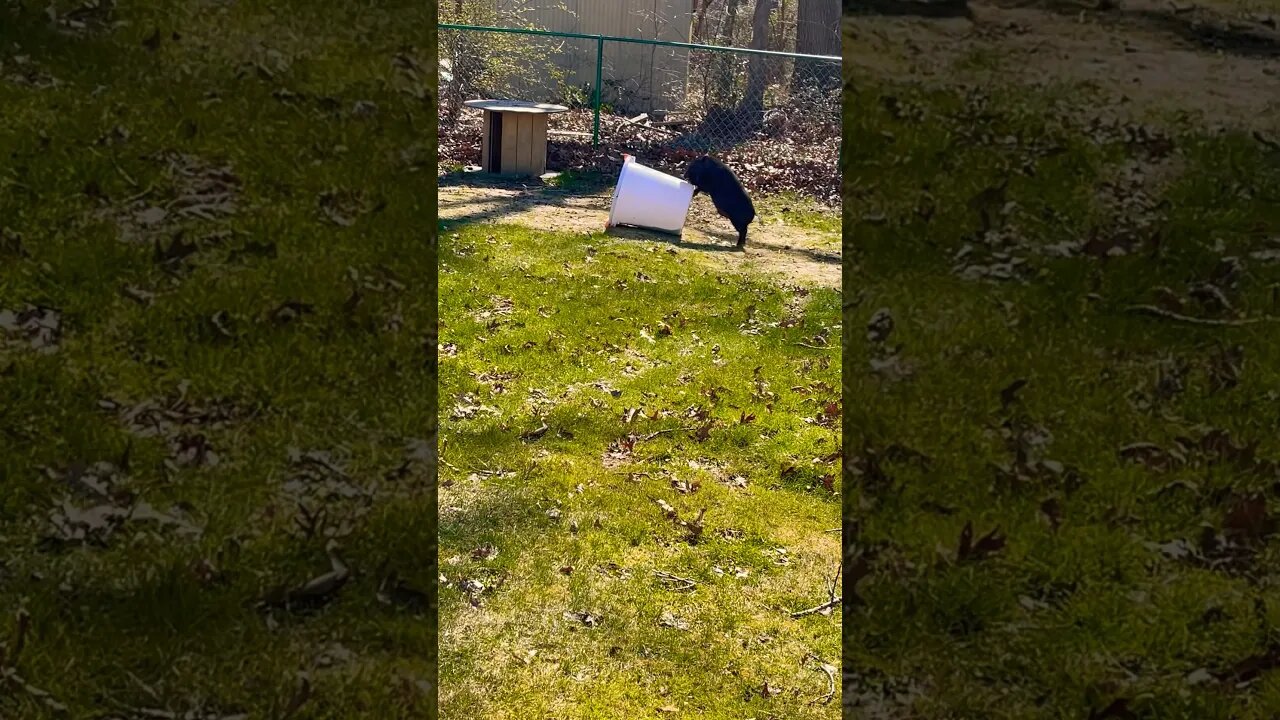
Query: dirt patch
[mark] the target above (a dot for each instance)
(1215, 61)
(789, 253)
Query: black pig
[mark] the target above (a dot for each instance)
(714, 178)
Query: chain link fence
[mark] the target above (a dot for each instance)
(663, 102)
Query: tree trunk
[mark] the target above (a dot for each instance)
(724, 61)
(731, 21)
(817, 33)
(700, 20)
(751, 110)
(778, 40)
(818, 27)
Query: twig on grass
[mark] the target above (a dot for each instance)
(655, 434)
(19, 640)
(833, 602)
(817, 347)
(1154, 311)
(139, 195)
(826, 669)
(9, 668)
(831, 685)
(680, 584)
(13, 679)
(1266, 141)
(127, 178)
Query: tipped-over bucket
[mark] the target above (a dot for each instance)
(647, 198)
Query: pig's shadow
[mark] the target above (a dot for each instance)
(680, 241)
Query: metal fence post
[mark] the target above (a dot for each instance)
(595, 133)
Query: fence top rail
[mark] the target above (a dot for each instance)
(639, 41)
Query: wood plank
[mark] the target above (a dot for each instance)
(524, 145)
(539, 144)
(509, 128)
(484, 144)
(650, 127)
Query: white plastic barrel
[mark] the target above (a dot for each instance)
(647, 198)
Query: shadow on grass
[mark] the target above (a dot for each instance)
(66, 54)
(492, 210)
(1207, 30)
(1212, 36)
(634, 233)
(910, 8)
(481, 179)
(495, 210)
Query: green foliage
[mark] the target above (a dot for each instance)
(478, 65)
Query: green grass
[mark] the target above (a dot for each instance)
(577, 337)
(1080, 607)
(155, 618)
(798, 212)
(579, 181)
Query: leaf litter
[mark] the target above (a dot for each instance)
(802, 159)
(328, 499)
(342, 207)
(97, 505)
(34, 326)
(184, 425)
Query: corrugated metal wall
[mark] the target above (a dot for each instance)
(639, 78)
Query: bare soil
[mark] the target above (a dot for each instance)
(787, 253)
(1215, 62)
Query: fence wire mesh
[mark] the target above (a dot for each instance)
(775, 115)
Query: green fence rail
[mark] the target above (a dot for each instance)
(600, 41)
